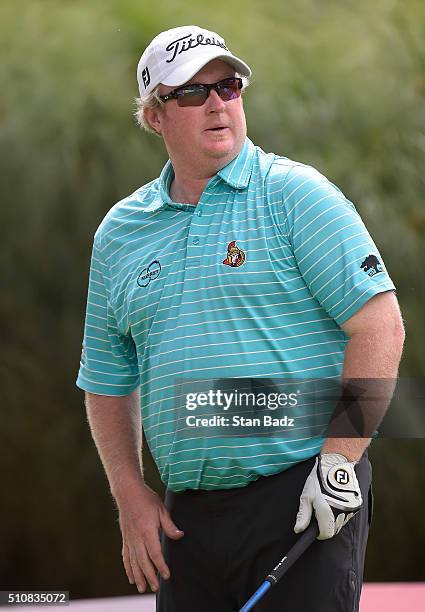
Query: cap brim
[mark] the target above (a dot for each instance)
(184, 73)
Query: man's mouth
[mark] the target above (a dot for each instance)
(217, 129)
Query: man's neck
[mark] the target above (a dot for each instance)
(187, 191)
(187, 185)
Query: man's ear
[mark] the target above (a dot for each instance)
(153, 118)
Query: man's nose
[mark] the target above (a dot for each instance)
(215, 103)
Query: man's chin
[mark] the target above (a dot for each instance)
(224, 150)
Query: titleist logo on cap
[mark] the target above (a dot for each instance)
(182, 44)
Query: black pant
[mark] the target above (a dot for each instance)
(233, 538)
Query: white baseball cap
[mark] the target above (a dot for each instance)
(174, 56)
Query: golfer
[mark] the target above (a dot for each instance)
(234, 264)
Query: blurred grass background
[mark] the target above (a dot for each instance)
(337, 84)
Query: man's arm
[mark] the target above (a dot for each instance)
(373, 352)
(371, 361)
(116, 429)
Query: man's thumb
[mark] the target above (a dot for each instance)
(169, 528)
(304, 515)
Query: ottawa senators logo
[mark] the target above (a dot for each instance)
(235, 256)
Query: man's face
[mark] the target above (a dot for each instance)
(188, 131)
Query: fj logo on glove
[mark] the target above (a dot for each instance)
(342, 477)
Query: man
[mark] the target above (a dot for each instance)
(233, 264)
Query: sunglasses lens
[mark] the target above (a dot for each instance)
(192, 96)
(230, 89)
(196, 95)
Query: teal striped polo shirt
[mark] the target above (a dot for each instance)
(252, 282)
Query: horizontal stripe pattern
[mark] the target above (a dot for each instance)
(163, 306)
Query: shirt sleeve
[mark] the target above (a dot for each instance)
(335, 253)
(108, 363)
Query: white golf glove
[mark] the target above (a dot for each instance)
(332, 489)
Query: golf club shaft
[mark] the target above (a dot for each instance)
(303, 542)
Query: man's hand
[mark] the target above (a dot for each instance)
(141, 516)
(333, 491)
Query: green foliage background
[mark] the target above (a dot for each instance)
(337, 84)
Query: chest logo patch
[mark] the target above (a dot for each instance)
(150, 273)
(235, 256)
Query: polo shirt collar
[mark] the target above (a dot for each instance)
(165, 180)
(236, 174)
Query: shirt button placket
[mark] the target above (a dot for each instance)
(194, 241)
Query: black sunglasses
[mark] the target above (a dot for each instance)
(197, 93)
